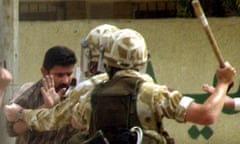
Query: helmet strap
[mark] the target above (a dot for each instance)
(100, 67)
(85, 59)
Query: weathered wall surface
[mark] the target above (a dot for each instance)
(181, 54)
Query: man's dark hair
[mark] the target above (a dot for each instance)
(59, 55)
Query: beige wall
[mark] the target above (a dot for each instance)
(181, 55)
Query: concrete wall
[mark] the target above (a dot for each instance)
(181, 54)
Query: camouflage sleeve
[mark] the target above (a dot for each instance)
(165, 103)
(82, 112)
(61, 114)
(55, 117)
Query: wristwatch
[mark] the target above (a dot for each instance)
(20, 115)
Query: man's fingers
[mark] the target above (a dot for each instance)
(48, 82)
(51, 81)
(207, 88)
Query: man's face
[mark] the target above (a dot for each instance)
(62, 76)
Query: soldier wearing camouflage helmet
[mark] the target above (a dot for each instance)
(153, 102)
(123, 60)
(97, 39)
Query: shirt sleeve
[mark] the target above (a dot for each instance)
(182, 107)
(166, 103)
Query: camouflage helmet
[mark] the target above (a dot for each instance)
(128, 51)
(97, 39)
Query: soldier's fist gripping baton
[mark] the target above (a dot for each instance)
(201, 16)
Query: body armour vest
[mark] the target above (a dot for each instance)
(114, 109)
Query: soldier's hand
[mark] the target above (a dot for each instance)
(226, 74)
(11, 112)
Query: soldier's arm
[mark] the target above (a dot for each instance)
(59, 115)
(51, 119)
(182, 108)
(208, 112)
(40, 119)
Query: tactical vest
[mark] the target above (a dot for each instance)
(114, 109)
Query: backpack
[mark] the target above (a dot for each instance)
(114, 110)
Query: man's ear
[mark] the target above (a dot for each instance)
(44, 71)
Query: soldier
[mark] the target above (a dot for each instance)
(153, 102)
(127, 102)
